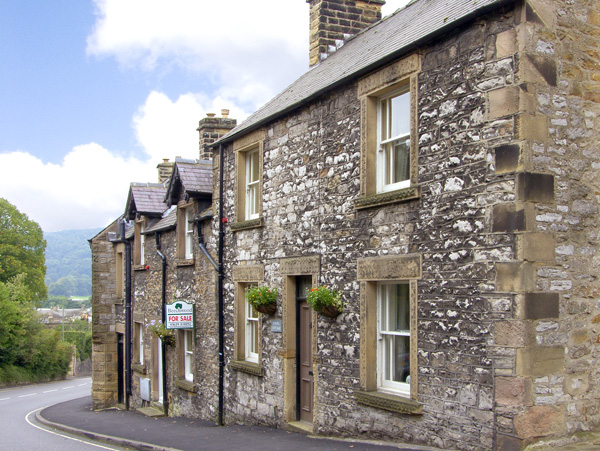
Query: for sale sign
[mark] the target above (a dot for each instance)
(180, 315)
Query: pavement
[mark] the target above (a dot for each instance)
(131, 429)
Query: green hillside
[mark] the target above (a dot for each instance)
(69, 262)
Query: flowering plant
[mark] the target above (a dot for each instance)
(262, 295)
(320, 298)
(159, 329)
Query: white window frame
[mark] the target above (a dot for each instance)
(386, 159)
(251, 324)
(252, 184)
(188, 355)
(142, 244)
(385, 339)
(139, 331)
(189, 233)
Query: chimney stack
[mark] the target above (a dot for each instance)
(212, 128)
(334, 21)
(165, 170)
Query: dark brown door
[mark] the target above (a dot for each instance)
(305, 378)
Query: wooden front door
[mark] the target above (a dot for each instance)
(304, 364)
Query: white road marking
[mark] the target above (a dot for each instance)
(25, 396)
(70, 386)
(51, 391)
(83, 385)
(61, 435)
(4, 399)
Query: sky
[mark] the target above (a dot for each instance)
(95, 93)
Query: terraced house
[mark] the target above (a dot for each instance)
(439, 168)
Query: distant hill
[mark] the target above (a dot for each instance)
(69, 262)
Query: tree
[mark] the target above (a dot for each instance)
(22, 250)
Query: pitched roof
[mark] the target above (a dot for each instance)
(146, 199)
(383, 42)
(168, 221)
(194, 177)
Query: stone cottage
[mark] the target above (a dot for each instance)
(438, 168)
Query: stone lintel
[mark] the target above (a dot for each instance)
(395, 267)
(538, 305)
(536, 247)
(535, 187)
(514, 277)
(537, 361)
(248, 273)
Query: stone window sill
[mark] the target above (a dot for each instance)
(139, 368)
(392, 197)
(139, 267)
(245, 225)
(386, 401)
(184, 262)
(185, 385)
(255, 369)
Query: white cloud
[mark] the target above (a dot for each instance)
(87, 190)
(166, 128)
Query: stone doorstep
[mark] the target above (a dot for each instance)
(152, 411)
(301, 427)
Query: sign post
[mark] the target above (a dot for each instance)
(179, 315)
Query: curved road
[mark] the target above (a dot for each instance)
(18, 429)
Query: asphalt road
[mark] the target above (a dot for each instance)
(20, 431)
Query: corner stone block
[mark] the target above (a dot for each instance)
(536, 247)
(514, 277)
(538, 305)
(532, 128)
(540, 421)
(514, 334)
(503, 102)
(506, 43)
(513, 391)
(538, 69)
(508, 443)
(508, 158)
(535, 361)
(532, 187)
(512, 217)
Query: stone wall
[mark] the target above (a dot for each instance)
(194, 282)
(107, 311)
(472, 226)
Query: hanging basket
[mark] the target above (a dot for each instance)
(331, 311)
(169, 340)
(268, 309)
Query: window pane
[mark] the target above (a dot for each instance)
(401, 310)
(254, 166)
(400, 115)
(401, 355)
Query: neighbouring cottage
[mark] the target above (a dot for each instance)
(438, 168)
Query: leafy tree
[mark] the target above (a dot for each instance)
(79, 333)
(28, 351)
(22, 248)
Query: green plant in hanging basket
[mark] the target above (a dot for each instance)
(325, 301)
(159, 329)
(262, 298)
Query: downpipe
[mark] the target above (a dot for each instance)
(162, 342)
(128, 357)
(220, 270)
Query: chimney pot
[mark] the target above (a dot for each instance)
(210, 114)
(225, 113)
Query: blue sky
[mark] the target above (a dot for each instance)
(94, 93)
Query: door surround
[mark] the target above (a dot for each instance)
(290, 268)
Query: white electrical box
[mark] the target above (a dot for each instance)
(145, 388)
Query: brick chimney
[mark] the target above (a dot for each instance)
(165, 169)
(334, 21)
(212, 128)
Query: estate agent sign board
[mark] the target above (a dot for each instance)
(180, 315)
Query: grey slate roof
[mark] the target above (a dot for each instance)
(392, 37)
(146, 199)
(168, 221)
(192, 176)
